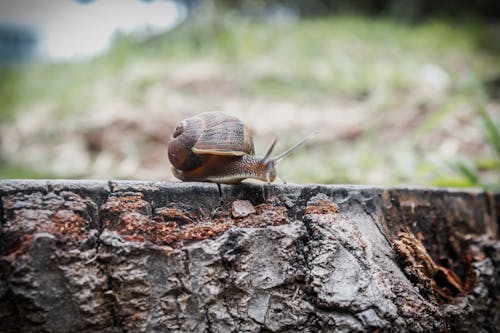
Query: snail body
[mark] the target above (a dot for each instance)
(218, 148)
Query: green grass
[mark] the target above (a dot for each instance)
(341, 55)
(347, 56)
(20, 172)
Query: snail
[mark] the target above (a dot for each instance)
(216, 147)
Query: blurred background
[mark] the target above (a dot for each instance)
(401, 92)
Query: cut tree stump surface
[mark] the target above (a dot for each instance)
(122, 256)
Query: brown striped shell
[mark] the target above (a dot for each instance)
(209, 133)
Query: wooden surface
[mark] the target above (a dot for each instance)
(119, 256)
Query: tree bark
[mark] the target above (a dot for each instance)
(125, 256)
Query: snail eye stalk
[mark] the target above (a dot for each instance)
(290, 150)
(270, 151)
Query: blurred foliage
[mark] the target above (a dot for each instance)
(311, 61)
(343, 54)
(491, 130)
(483, 172)
(407, 10)
(9, 94)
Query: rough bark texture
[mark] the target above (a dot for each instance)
(165, 257)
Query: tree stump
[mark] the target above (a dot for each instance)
(87, 256)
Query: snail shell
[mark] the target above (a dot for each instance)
(212, 133)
